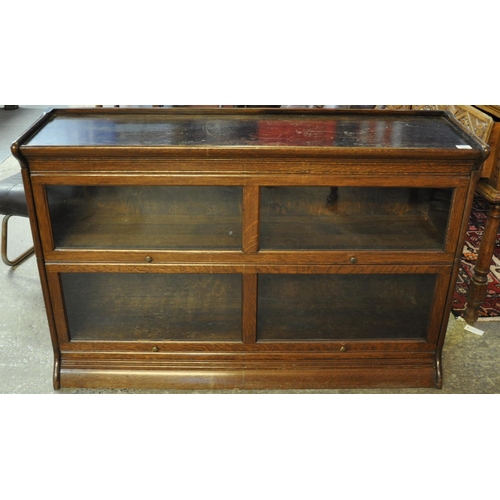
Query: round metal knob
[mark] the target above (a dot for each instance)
(343, 349)
(155, 349)
(149, 259)
(353, 260)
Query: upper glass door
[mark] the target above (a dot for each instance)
(146, 217)
(334, 218)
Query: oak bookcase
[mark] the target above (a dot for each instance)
(248, 248)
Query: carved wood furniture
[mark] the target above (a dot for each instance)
(489, 188)
(252, 249)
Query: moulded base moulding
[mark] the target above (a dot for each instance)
(383, 375)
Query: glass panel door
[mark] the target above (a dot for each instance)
(331, 218)
(146, 217)
(124, 307)
(334, 307)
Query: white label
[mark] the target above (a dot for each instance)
(471, 329)
(463, 146)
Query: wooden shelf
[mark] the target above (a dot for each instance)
(352, 232)
(163, 232)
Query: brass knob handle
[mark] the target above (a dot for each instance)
(353, 260)
(155, 349)
(149, 259)
(343, 348)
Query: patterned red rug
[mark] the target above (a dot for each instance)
(491, 305)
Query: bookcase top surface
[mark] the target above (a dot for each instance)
(297, 128)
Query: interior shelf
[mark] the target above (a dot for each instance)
(351, 232)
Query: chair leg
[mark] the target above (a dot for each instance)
(5, 259)
(478, 285)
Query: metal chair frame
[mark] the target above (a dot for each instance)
(21, 257)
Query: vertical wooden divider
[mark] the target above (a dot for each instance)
(251, 207)
(249, 315)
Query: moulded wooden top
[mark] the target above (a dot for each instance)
(258, 132)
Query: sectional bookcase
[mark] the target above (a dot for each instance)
(248, 248)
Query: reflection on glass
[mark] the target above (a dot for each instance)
(337, 307)
(182, 307)
(328, 218)
(149, 217)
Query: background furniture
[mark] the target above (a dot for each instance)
(489, 188)
(248, 248)
(12, 203)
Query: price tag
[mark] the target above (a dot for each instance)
(471, 329)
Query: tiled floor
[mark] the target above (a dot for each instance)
(471, 362)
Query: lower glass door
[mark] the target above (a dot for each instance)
(134, 307)
(341, 307)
